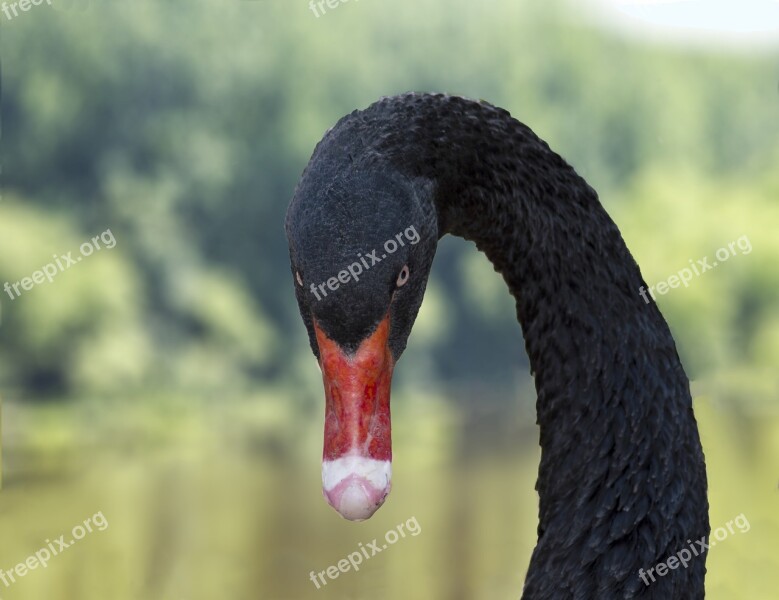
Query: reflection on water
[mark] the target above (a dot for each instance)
(215, 504)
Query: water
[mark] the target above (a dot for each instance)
(225, 502)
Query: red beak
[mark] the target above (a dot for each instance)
(357, 457)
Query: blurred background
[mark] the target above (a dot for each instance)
(167, 382)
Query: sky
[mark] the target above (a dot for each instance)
(732, 22)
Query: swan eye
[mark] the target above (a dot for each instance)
(299, 280)
(403, 276)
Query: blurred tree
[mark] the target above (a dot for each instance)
(140, 117)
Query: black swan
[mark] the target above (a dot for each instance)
(622, 481)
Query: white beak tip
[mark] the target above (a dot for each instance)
(355, 486)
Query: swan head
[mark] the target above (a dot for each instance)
(361, 246)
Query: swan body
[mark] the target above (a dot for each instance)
(622, 481)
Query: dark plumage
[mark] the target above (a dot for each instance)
(622, 483)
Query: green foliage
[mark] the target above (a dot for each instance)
(185, 127)
(81, 330)
(724, 320)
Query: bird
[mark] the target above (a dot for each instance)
(621, 482)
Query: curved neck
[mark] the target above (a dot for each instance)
(621, 481)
